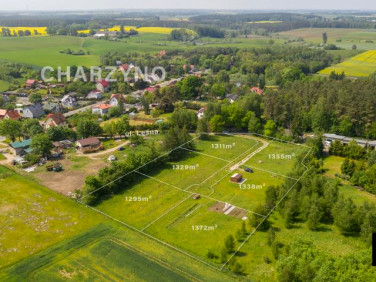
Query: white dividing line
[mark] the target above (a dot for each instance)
(163, 263)
(269, 213)
(201, 153)
(223, 168)
(174, 207)
(120, 177)
(192, 193)
(150, 236)
(272, 172)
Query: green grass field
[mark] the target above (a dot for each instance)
(44, 50)
(361, 65)
(277, 157)
(4, 85)
(46, 236)
(342, 37)
(33, 217)
(168, 210)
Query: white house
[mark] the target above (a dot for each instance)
(101, 109)
(116, 99)
(95, 94)
(69, 101)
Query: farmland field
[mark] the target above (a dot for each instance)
(33, 30)
(45, 50)
(167, 209)
(363, 64)
(45, 235)
(342, 37)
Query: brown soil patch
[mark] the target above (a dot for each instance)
(69, 179)
(236, 212)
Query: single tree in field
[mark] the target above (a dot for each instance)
(10, 128)
(230, 244)
(324, 37)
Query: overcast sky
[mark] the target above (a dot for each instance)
(188, 4)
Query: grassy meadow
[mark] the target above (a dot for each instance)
(47, 236)
(361, 65)
(45, 50)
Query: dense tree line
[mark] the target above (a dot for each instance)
(325, 105)
(121, 175)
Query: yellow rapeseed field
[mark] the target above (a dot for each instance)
(160, 30)
(363, 64)
(14, 30)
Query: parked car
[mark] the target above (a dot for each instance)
(121, 149)
(247, 169)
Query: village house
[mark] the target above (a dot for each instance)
(101, 109)
(200, 113)
(57, 119)
(257, 90)
(116, 99)
(30, 83)
(20, 148)
(103, 85)
(51, 107)
(33, 111)
(12, 114)
(87, 145)
(232, 97)
(95, 94)
(129, 107)
(69, 100)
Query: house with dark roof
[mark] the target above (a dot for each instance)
(57, 119)
(33, 111)
(51, 107)
(21, 147)
(232, 97)
(87, 145)
(69, 100)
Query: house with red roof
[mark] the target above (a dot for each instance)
(12, 114)
(101, 109)
(150, 89)
(103, 85)
(57, 119)
(30, 83)
(257, 90)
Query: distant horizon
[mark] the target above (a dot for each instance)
(221, 5)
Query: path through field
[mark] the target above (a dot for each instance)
(247, 158)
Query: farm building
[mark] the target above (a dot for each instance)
(90, 144)
(21, 147)
(236, 178)
(64, 144)
(328, 138)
